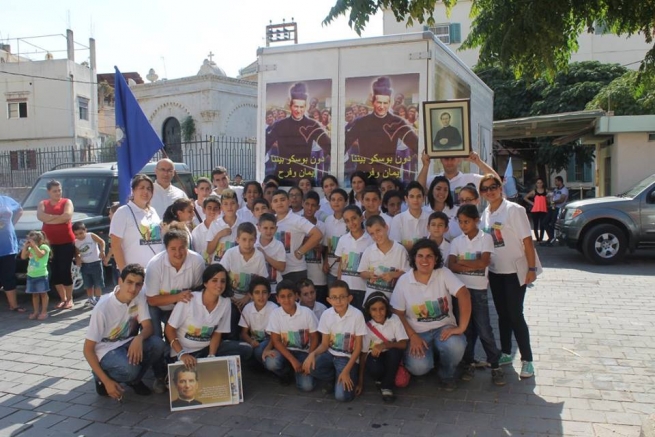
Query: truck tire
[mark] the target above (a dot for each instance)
(604, 244)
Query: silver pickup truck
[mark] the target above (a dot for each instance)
(603, 229)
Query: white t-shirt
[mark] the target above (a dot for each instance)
(291, 231)
(350, 251)
(241, 271)
(162, 198)
(469, 250)
(199, 236)
(406, 229)
(460, 180)
(393, 330)
(293, 329)
(114, 323)
(427, 306)
(163, 279)
(140, 242)
(558, 193)
(342, 330)
(325, 210)
(378, 262)
(195, 325)
(257, 321)
(318, 309)
(508, 226)
(88, 249)
(198, 213)
(245, 215)
(224, 243)
(334, 230)
(275, 250)
(444, 248)
(314, 260)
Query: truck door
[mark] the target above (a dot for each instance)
(647, 216)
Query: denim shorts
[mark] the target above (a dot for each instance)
(37, 285)
(92, 275)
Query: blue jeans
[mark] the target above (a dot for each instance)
(480, 325)
(329, 367)
(450, 353)
(259, 350)
(92, 276)
(281, 366)
(117, 367)
(157, 317)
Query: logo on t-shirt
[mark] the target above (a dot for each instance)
(343, 342)
(150, 233)
(332, 245)
(296, 339)
(315, 255)
(381, 284)
(285, 239)
(223, 247)
(240, 282)
(431, 310)
(258, 335)
(199, 333)
(496, 234)
(127, 329)
(470, 256)
(350, 263)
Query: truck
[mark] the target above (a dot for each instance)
(358, 106)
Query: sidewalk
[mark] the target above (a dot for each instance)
(592, 335)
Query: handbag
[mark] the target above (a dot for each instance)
(402, 374)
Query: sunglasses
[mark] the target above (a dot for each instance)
(493, 187)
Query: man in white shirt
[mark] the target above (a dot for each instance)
(221, 181)
(165, 193)
(456, 178)
(115, 350)
(559, 199)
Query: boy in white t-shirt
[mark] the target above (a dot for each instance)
(308, 298)
(255, 316)
(260, 206)
(203, 190)
(115, 350)
(384, 262)
(437, 228)
(293, 333)
(273, 250)
(314, 257)
(211, 209)
(343, 329)
(409, 226)
(89, 256)
(371, 202)
(335, 228)
(470, 256)
(222, 234)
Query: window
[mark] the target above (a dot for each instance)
(578, 172)
(83, 103)
(448, 33)
(651, 136)
(23, 160)
(17, 109)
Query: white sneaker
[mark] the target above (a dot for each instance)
(90, 302)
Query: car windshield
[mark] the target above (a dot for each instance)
(641, 186)
(86, 192)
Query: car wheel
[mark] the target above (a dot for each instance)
(604, 244)
(76, 274)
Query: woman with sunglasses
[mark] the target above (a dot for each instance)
(513, 267)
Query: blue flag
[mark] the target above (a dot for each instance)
(136, 140)
(510, 183)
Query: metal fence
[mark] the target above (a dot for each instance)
(21, 168)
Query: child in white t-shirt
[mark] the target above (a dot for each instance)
(308, 298)
(314, 257)
(272, 249)
(335, 228)
(349, 253)
(203, 190)
(408, 227)
(251, 191)
(437, 229)
(222, 234)
(343, 329)
(211, 210)
(255, 316)
(89, 256)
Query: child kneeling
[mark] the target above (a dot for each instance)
(255, 317)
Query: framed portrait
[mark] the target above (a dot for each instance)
(213, 382)
(447, 128)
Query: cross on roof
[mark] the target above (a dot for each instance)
(210, 56)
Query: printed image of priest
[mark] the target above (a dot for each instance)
(297, 146)
(448, 137)
(381, 144)
(186, 384)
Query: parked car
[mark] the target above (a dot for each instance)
(603, 229)
(92, 188)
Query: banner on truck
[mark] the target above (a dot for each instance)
(381, 133)
(298, 124)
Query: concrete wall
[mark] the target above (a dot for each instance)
(632, 160)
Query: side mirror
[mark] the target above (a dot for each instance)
(651, 197)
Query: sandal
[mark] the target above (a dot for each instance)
(68, 305)
(61, 304)
(43, 316)
(18, 309)
(33, 316)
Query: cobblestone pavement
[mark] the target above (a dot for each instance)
(592, 334)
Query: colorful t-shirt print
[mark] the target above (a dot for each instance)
(496, 233)
(240, 281)
(150, 233)
(128, 329)
(223, 247)
(380, 284)
(169, 292)
(343, 342)
(332, 243)
(350, 263)
(410, 242)
(199, 333)
(432, 310)
(258, 335)
(469, 256)
(285, 239)
(315, 255)
(296, 339)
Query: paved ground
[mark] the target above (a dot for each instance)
(592, 334)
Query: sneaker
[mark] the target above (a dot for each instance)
(159, 386)
(91, 302)
(448, 385)
(140, 388)
(527, 370)
(101, 389)
(468, 372)
(505, 360)
(498, 377)
(387, 395)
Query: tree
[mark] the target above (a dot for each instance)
(626, 95)
(532, 38)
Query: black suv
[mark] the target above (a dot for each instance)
(92, 188)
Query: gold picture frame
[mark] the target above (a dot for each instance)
(447, 128)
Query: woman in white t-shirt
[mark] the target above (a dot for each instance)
(423, 301)
(135, 229)
(196, 326)
(440, 199)
(513, 266)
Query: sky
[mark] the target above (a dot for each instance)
(173, 37)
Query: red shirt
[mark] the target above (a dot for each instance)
(61, 233)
